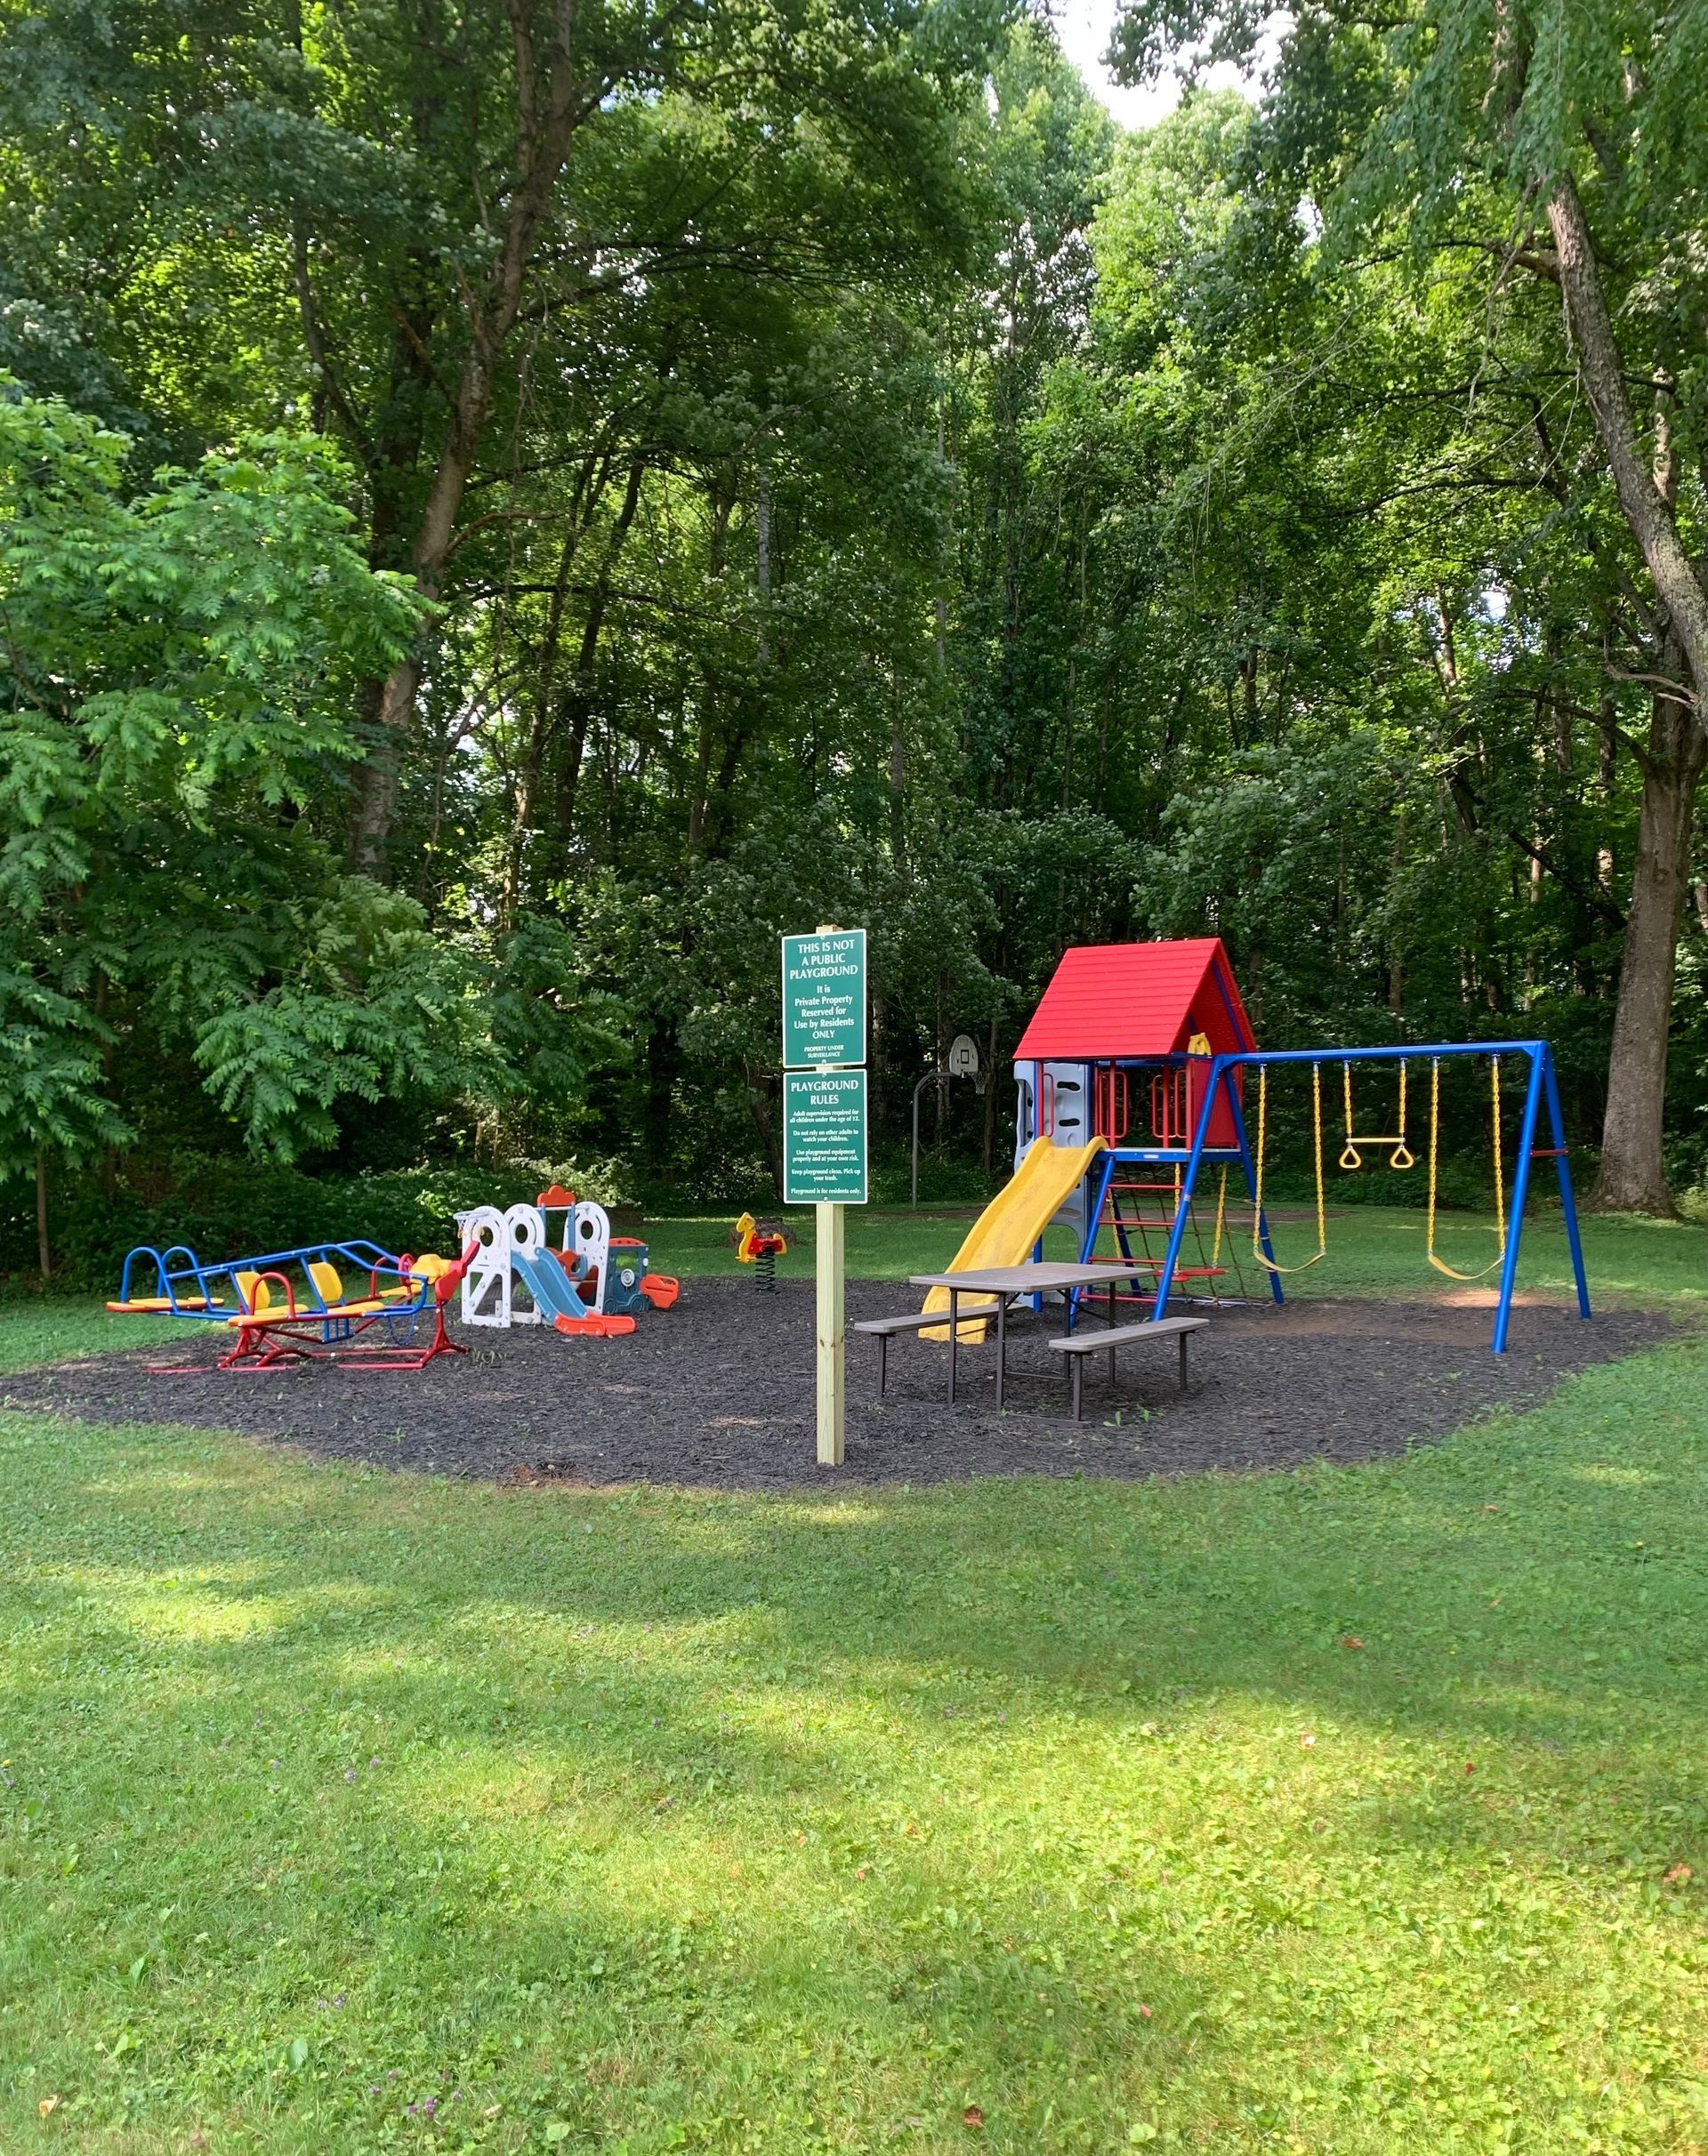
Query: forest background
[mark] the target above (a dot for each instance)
(506, 507)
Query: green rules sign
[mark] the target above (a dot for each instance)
(823, 1137)
(823, 998)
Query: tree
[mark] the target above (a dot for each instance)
(1494, 131)
(175, 667)
(414, 212)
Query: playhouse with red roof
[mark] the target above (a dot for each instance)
(1123, 1000)
(1130, 1082)
(1119, 1047)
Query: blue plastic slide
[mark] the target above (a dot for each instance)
(548, 1284)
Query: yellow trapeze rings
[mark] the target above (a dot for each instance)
(1401, 1156)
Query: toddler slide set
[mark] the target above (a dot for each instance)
(592, 1283)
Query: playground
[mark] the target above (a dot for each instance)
(1136, 1181)
(720, 1395)
(454, 1708)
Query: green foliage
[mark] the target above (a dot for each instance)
(372, 1006)
(175, 671)
(178, 670)
(224, 1207)
(898, 498)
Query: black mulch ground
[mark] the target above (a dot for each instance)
(718, 1392)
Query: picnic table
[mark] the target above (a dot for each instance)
(1009, 1283)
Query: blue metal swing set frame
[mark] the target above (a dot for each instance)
(1541, 1096)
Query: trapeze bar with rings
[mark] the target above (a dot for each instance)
(1511, 1191)
(1358, 1141)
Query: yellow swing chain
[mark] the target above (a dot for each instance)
(1268, 1263)
(1402, 1156)
(1440, 1263)
(1350, 1157)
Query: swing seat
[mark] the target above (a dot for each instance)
(1501, 1225)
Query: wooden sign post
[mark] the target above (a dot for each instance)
(832, 1337)
(825, 1131)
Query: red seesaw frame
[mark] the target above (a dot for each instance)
(267, 1339)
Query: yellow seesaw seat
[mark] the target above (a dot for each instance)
(143, 1306)
(270, 1305)
(1006, 1230)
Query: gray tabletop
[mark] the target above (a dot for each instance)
(1027, 1279)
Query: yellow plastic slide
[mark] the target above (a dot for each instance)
(1005, 1231)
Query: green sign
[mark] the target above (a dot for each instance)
(824, 999)
(823, 1137)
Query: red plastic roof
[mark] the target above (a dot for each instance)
(1145, 998)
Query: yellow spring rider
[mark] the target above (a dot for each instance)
(1400, 1157)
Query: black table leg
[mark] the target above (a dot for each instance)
(954, 1336)
(1183, 1362)
(883, 1361)
(1002, 1347)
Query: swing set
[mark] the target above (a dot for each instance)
(1221, 1088)
(1123, 1025)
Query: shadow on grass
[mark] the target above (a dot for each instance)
(787, 1822)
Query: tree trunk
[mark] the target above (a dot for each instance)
(43, 1248)
(525, 802)
(1651, 518)
(942, 1088)
(664, 1066)
(898, 776)
(578, 703)
(990, 1099)
(550, 104)
(759, 1106)
(1633, 1167)
(590, 486)
(762, 546)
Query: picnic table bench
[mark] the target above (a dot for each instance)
(1079, 1344)
(1008, 1283)
(884, 1329)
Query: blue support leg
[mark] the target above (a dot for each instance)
(1104, 1172)
(1563, 1167)
(1520, 1194)
(1189, 1183)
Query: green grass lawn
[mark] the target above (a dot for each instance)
(1357, 1809)
(1371, 1250)
(56, 1328)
